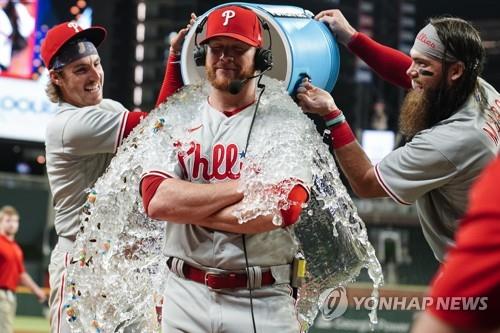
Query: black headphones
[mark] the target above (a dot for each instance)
(263, 57)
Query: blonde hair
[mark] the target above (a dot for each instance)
(53, 91)
(8, 211)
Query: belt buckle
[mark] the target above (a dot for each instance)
(207, 277)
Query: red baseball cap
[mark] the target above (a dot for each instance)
(235, 22)
(61, 34)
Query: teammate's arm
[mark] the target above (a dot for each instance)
(387, 62)
(352, 159)
(172, 80)
(390, 64)
(359, 171)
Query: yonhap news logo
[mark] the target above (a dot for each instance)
(335, 301)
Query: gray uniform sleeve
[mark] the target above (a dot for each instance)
(96, 129)
(411, 171)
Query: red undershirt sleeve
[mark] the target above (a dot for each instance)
(298, 195)
(387, 62)
(149, 186)
(172, 79)
(133, 119)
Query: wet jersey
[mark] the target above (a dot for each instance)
(216, 154)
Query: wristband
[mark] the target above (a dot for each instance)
(332, 115)
(335, 121)
(341, 135)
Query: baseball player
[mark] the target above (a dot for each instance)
(471, 273)
(81, 139)
(450, 116)
(225, 276)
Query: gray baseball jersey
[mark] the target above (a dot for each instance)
(438, 166)
(80, 143)
(216, 155)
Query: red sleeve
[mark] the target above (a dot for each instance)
(133, 118)
(298, 195)
(149, 185)
(387, 62)
(172, 79)
(472, 269)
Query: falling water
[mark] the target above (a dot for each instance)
(116, 275)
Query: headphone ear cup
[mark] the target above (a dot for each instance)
(263, 59)
(199, 55)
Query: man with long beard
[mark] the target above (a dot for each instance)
(450, 117)
(223, 276)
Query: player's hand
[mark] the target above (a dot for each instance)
(41, 296)
(178, 39)
(338, 24)
(314, 100)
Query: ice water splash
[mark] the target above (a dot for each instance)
(117, 270)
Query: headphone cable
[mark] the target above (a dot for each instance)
(263, 87)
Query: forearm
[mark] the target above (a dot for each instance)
(224, 220)
(359, 170)
(352, 159)
(27, 281)
(172, 79)
(180, 201)
(387, 62)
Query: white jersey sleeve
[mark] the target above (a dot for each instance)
(409, 172)
(95, 129)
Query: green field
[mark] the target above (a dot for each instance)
(24, 324)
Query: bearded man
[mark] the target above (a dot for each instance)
(450, 117)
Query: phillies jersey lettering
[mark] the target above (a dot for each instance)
(213, 151)
(492, 125)
(222, 164)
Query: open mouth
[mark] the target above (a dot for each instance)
(93, 89)
(416, 85)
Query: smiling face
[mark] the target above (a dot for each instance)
(81, 81)
(425, 72)
(228, 59)
(426, 75)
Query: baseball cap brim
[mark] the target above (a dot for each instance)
(232, 35)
